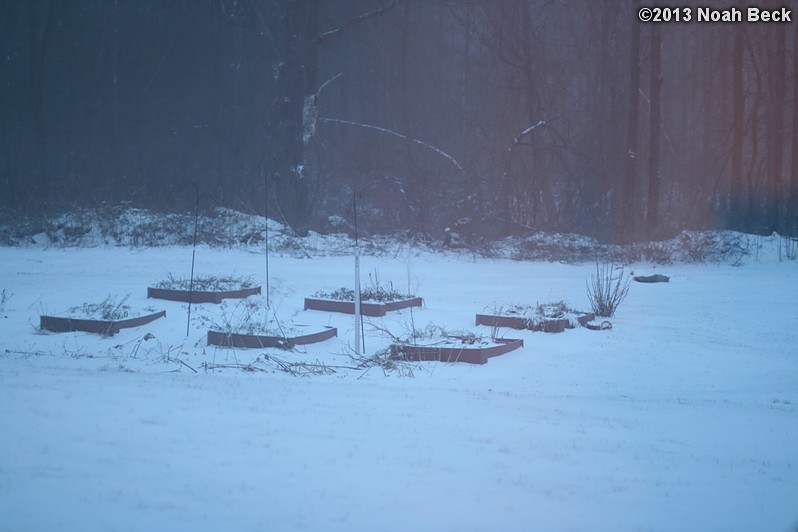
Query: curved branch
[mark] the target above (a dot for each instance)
(332, 33)
(398, 135)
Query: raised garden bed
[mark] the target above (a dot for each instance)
(201, 296)
(367, 308)
(203, 289)
(256, 341)
(455, 351)
(376, 299)
(99, 326)
(246, 323)
(106, 317)
(552, 318)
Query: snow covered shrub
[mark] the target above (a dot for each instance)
(536, 314)
(246, 316)
(712, 246)
(375, 291)
(432, 334)
(606, 289)
(788, 248)
(4, 297)
(205, 283)
(657, 252)
(109, 309)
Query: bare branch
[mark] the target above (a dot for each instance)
(529, 130)
(332, 33)
(395, 134)
(323, 85)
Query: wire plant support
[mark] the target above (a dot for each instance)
(193, 251)
(359, 340)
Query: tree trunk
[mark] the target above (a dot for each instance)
(655, 125)
(775, 152)
(533, 184)
(792, 213)
(296, 98)
(473, 192)
(754, 217)
(738, 130)
(39, 24)
(630, 179)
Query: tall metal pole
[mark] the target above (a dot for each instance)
(357, 284)
(266, 185)
(193, 256)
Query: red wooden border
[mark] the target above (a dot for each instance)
(201, 296)
(106, 327)
(374, 310)
(516, 322)
(471, 355)
(258, 342)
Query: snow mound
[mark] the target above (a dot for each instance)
(222, 227)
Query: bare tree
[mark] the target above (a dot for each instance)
(776, 137)
(655, 125)
(40, 22)
(792, 213)
(629, 210)
(738, 126)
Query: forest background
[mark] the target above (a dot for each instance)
(494, 117)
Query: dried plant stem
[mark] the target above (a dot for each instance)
(606, 291)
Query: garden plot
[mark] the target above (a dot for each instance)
(547, 317)
(251, 323)
(376, 299)
(203, 289)
(106, 317)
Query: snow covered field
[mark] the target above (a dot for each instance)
(684, 416)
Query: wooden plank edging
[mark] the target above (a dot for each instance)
(201, 296)
(106, 327)
(374, 310)
(471, 355)
(254, 341)
(555, 325)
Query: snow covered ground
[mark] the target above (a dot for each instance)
(684, 416)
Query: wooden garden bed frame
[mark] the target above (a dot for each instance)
(201, 296)
(255, 341)
(374, 310)
(468, 354)
(554, 325)
(104, 327)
